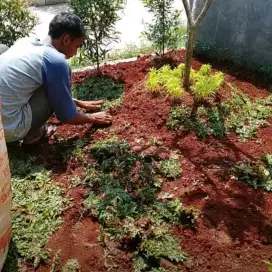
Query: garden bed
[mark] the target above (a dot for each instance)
(232, 229)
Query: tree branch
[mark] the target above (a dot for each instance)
(193, 9)
(188, 12)
(203, 12)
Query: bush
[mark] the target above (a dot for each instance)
(204, 83)
(165, 30)
(99, 17)
(16, 21)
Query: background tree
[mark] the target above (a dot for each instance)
(16, 21)
(99, 17)
(164, 31)
(193, 22)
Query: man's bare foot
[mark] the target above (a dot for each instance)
(44, 132)
(101, 118)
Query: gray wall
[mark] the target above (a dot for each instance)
(243, 26)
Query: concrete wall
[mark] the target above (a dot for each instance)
(49, 2)
(243, 26)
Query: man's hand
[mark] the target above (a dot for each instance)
(89, 105)
(100, 118)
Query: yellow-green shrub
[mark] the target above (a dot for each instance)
(166, 79)
(204, 82)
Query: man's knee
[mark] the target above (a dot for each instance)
(3, 48)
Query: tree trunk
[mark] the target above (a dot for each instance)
(189, 57)
(163, 29)
(97, 53)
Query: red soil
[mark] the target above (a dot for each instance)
(235, 228)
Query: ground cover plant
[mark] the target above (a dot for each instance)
(37, 207)
(144, 195)
(122, 197)
(238, 114)
(97, 88)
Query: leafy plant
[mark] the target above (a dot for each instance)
(204, 82)
(238, 114)
(207, 121)
(71, 266)
(245, 116)
(170, 168)
(95, 88)
(163, 244)
(256, 175)
(165, 79)
(37, 209)
(165, 30)
(123, 190)
(99, 17)
(16, 20)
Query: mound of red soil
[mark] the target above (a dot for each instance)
(235, 226)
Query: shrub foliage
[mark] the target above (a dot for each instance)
(16, 21)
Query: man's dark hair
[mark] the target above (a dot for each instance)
(66, 23)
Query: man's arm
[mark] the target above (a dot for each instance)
(56, 78)
(99, 118)
(89, 105)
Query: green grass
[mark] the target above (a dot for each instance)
(130, 51)
(123, 189)
(96, 88)
(37, 207)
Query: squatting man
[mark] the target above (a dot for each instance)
(35, 82)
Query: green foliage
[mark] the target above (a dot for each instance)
(269, 265)
(16, 21)
(37, 209)
(207, 122)
(38, 204)
(170, 168)
(71, 266)
(155, 241)
(123, 190)
(163, 244)
(171, 212)
(222, 55)
(164, 31)
(238, 114)
(129, 51)
(245, 116)
(75, 149)
(118, 203)
(257, 175)
(113, 155)
(204, 83)
(166, 79)
(99, 17)
(96, 88)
